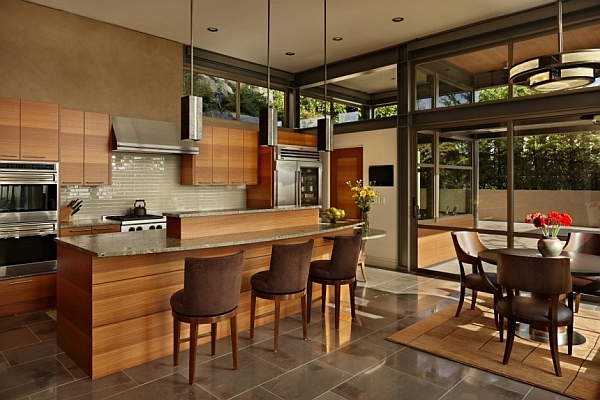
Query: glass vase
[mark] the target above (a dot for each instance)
(550, 246)
(365, 220)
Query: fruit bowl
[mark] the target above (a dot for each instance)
(333, 214)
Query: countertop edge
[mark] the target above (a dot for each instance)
(192, 214)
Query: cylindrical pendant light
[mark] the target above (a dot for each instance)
(191, 106)
(325, 125)
(267, 117)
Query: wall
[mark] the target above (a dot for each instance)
(154, 178)
(379, 148)
(56, 57)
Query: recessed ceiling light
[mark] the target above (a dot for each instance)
(337, 38)
(212, 29)
(290, 53)
(397, 19)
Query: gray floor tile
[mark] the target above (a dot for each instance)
(16, 337)
(501, 381)
(172, 387)
(257, 393)
(162, 367)
(44, 330)
(471, 388)
(23, 319)
(356, 357)
(22, 380)
(307, 382)
(86, 388)
(382, 383)
(25, 354)
(541, 394)
(438, 370)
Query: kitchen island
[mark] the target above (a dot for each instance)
(113, 290)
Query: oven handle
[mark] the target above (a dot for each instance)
(17, 230)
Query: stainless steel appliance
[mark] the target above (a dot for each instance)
(28, 217)
(132, 223)
(297, 176)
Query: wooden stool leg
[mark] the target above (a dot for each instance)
(460, 300)
(234, 340)
(213, 338)
(352, 305)
(338, 294)
(277, 309)
(193, 349)
(323, 297)
(252, 313)
(303, 307)
(176, 339)
(309, 290)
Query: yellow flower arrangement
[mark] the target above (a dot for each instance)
(363, 195)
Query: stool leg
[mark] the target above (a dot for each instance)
(277, 309)
(234, 340)
(323, 297)
(213, 338)
(309, 290)
(193, 349)
(252, 313)
(352, 305)
(303, 307)
(338, 295)
(176, 339)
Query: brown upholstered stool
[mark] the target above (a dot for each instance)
(210, 294)
(339, 270)
(285, 280)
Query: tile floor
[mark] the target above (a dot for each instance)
(355, 362)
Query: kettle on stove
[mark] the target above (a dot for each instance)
(139, 210)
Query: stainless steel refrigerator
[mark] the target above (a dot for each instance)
(297, 176)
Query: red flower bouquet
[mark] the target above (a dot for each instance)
(549, 224)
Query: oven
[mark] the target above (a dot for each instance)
(28, 217)
(135, 223)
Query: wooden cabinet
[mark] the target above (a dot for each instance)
(236, 157)
(10, 128)
(28, 130)
(39, 131)
(84, 148)
(227, 157)
(27, 294)
(89, 230)
(220, 156)
(251, 157)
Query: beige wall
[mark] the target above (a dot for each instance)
(53, 56)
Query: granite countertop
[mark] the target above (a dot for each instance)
(149, 242)
(77, 223)
(205, 213)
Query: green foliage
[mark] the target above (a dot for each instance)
(386, 111)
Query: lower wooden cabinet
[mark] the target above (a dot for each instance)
(89, 230)
(27, 294)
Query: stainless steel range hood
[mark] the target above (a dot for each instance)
(147, 136)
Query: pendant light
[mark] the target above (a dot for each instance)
(267, 117)
(191, 106)
(325, 125)
(550, 73)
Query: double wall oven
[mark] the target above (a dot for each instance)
(28, 217)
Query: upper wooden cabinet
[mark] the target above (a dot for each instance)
(227, 157)
(39, 131)
(84, 148)
(28, 130)
(10, 129)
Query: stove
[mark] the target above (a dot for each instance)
(132, 223)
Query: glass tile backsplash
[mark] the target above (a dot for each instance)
(154, 178)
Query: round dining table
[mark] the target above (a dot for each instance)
(581, 265)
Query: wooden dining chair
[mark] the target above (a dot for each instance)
(467, 246)
(546, 279)
(210, 294)
(588, 243)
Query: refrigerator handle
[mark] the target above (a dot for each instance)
(275, 190)
(298, 188)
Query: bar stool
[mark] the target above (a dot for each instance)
(339, 270)
(210, 294)
(285, 280)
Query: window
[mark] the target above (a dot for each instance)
(311, 110)
(386, 111)
(253, 98)
(218, 94)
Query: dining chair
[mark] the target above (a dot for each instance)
(588, 243)
(210, 294)
(286, 279)
(467, 246)
(546, 279)
(339, 270)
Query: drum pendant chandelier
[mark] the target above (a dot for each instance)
(325, 124)
(191, 106)
(560, 71)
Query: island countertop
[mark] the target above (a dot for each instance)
(149, 242)
(206, 213)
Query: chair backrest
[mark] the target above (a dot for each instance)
(290, 263)
(583, 242)
(212, 285)
(540, 275)
(344, 256)
(467, 246)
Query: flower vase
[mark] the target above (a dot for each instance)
(550, 246)
(365, 220)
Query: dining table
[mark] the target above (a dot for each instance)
(581, 264)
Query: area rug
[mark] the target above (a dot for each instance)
(472, 339)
